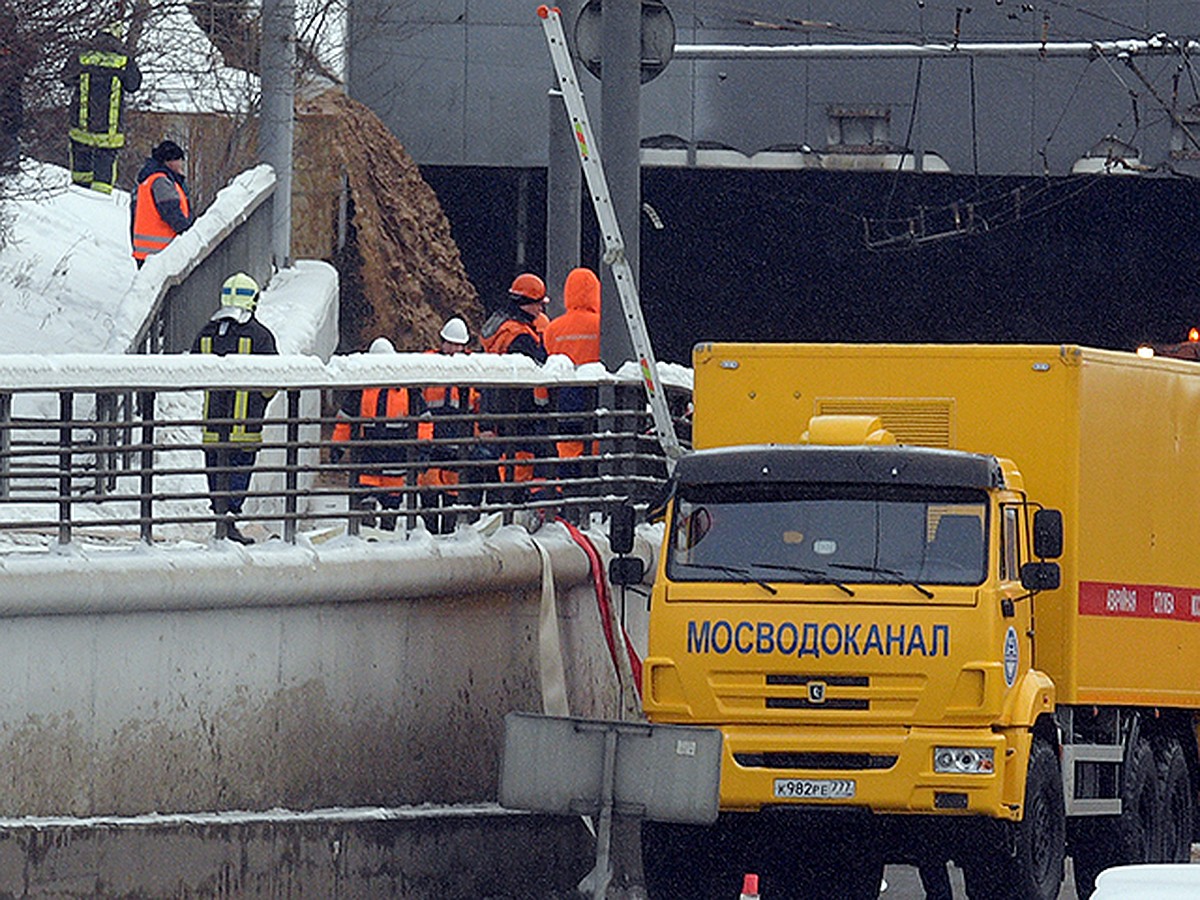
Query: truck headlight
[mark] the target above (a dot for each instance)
(964, 760)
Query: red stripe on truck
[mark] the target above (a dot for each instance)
(1139, 601)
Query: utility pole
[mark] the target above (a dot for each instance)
(276, 117)
(620, 142)
(563, 184)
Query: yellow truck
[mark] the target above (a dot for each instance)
(943, 603)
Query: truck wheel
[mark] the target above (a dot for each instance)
(1178, 801)
(1030, 864)
(692, 862)
(1132, 837)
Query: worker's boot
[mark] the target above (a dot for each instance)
(231, 532)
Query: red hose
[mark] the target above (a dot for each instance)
(604, 601)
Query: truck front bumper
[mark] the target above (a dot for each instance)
(890, 770)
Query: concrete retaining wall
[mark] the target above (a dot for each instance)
(363, 674)
(350, 697)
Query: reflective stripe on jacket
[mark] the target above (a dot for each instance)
(151, 233)
(223, 336)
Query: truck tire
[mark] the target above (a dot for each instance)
(1132, 837)
(1178, 799)
(1028, 866)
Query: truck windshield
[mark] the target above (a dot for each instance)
(829, 534)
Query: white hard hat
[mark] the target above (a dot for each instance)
(455, 331)
(381, 345)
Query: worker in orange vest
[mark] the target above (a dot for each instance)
(372, 422)
(442, 405)
(576, 334)
(513, 330)
(161, 207)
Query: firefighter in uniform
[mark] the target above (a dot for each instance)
(160, 208)
(513, 329)
(371, 423)
(441, 407)
(233, 418)
(100, 73)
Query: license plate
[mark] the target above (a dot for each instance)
(814, 788)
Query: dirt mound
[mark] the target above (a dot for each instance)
(402, 275)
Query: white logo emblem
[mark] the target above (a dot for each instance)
(816, 692)
(1012, 656)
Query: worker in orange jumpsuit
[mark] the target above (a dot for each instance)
(576, 334)
(442, 407)
(513, 329)
(372, 422)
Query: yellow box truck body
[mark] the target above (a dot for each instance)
(806, 605)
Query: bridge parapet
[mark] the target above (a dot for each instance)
(106, 449)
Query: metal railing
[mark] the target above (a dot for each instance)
(125, 462)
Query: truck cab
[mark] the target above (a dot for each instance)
(852, 615)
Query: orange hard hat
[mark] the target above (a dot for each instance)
(529, 285)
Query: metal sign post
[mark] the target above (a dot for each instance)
(565, 766)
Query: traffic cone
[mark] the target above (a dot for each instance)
(749, 887)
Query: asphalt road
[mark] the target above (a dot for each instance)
(903, 883)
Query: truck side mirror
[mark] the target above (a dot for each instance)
(1040, 576)
(620, 529)
(627, 570)
(1047, 534)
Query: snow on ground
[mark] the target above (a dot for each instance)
(66, 265)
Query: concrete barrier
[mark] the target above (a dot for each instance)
(356, 676)
(467, 853)
(351, 674)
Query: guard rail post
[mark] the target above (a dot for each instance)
(5, 443)
(66, 411)
(292, 455)
(146, 467)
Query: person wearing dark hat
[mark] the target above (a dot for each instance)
(161, 207)
(100, 72)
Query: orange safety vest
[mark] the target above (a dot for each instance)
(151, 233)
(509, 331)
(396, 407)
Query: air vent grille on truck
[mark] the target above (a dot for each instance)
(916, 421)
(834, 762)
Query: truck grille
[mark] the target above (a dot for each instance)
(748, 696)
(834, 762)
(804, 700)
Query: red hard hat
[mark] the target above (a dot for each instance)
(529, 285)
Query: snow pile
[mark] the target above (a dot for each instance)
(66, 265)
